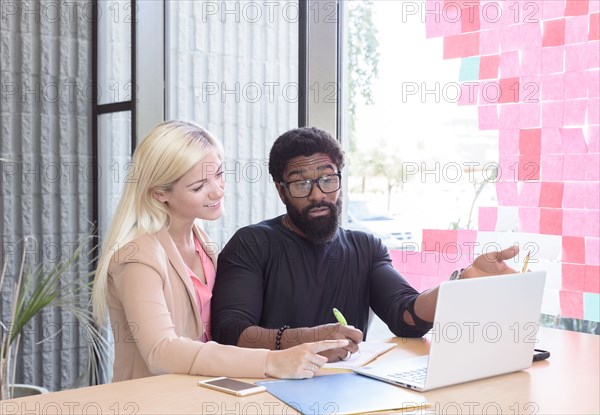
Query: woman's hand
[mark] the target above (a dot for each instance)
(300, 362)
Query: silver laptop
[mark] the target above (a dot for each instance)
(483, 327)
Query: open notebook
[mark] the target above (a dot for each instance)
(366, 353)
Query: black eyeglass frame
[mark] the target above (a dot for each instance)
(313, 182)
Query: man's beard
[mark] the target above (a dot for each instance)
(318, 230)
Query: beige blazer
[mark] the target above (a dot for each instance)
(155, 318)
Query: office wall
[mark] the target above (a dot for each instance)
(233, 68)
(47, 170)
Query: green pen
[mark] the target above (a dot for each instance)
(340, 317)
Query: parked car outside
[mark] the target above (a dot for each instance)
(368, 217)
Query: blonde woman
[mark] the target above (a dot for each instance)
(157, 268)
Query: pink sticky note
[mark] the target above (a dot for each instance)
(574, 167)
(593, 110)
(507, 193)
(508, 167)
(414, 263)
(576, 7)
(466, 239)
(552, 113)
(553, 59)
(531, 61)
(592, 222)
(576, 57)
(573, 276)
(491, 13)
(593, 138)
(594, 7)
(575, 85)
(574, 113)
(508, 141)
(593, 115)
(574, 222)
(553, 9)
(574, 196)
(551, 194)
(573, 249)
(433, 28)
(530, 141)
(573, 140)
(509, 116)
(553, 33)
(529, 194)
(431, 264)
(489, 92)
(470, 18)
(435, 239)
(550, 221)
(592, 251)
(553, 87)
(529, 167)
(488, 117)
(531, 87)
(593, 82)
(460, 46)
(592, 171)
(488, 66)
(551, 141)
(576, 29)
(489, 41)
(591, 282)
(530, 115)
(469, 93)
(594, 31)
(451, 24)
(509, 89)
(592, 200)
(510, 38)
(571, 303)
(529, 219)
(552, 165)
(511, 13)
(488, 216)
(530, 34)
(593, 52)
(510, 66)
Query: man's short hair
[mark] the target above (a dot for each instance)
(304, 141)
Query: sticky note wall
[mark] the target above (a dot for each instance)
(535, 67)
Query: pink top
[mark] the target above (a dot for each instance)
(204, 291)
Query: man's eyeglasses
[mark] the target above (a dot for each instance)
(302, 188)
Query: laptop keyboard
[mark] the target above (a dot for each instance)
(413, 376)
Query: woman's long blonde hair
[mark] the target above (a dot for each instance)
(166, 154)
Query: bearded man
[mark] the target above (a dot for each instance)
(279, 280)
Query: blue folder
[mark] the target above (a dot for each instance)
(346, 393)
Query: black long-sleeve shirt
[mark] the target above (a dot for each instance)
(268, 276)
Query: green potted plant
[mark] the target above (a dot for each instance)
(38, 287)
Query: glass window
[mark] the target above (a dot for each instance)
(475, 127)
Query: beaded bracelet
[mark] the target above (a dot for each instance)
(279, 334)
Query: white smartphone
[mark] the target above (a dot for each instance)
(232, 386)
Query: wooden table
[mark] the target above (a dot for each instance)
(569, 382)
